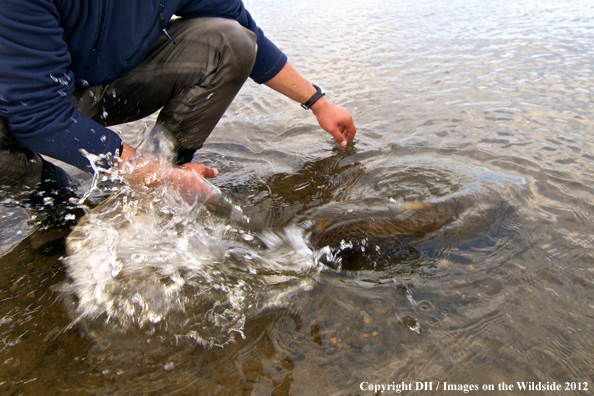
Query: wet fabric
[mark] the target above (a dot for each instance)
(27, 179)
(193, 82)
(20, 168)
(50, 48)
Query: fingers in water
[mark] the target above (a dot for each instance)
(202, 170)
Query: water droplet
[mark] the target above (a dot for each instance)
(426, 306)
(412, 324)
(434, 322)
(64, 80)
(154, 318)
(116, 267)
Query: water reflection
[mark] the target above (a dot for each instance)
(448, 98)
(148, 268)
(276, 201)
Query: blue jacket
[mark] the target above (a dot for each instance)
(48, 47)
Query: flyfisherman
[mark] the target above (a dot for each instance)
(70, 68)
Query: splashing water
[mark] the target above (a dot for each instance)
(159, 259)
(151, 259)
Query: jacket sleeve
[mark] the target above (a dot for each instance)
(269, 59)
(36, 87)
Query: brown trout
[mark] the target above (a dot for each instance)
(407, 220)
(386, 226)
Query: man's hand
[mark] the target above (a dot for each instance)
(202, 170)
(334, 120)
(187, 179)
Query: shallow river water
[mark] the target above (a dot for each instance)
(486, 101)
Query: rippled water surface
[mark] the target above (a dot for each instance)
(485, 103)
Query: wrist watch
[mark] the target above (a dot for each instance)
(319, 93)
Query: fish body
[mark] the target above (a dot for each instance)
(404, 221)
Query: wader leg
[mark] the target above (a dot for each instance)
(26, 179)
(193, 81)
(20, 169)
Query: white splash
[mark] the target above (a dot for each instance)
(147, 258)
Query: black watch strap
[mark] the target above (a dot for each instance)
(319, 93)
